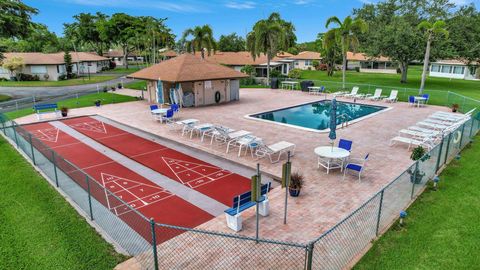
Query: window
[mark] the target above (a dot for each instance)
(446, 69)
(308, 62)
(60, 69)
(38, 69)
(296, 63)
(3, 71)
(435, 68)
(458, 70)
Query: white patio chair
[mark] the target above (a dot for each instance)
(353, 93)
(377, 95)
(393, 96)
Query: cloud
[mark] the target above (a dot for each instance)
(240, 5)
(302, 2)
(180, 6)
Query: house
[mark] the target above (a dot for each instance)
(365, 63)
(117, 57)
(191, 81)
(50, 66)
(304, 60)
(455, 69)
(168, 54)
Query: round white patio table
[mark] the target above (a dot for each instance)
(160, 111)
(331, 157)
(420, 100)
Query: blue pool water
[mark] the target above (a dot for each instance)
(317, 115)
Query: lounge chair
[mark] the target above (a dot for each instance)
(200, 129)
(353, 93)
(419, 133)
(247, 141)
(227, 137)
(339, 93)
(377, 95)
(217, 132)
(356, 164)
(433, 125)
(393, 96)
(426, 141)
(279, 149)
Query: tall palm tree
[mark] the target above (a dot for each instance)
(431, 30)
(202, 39)
(346, 33)
(269, 37)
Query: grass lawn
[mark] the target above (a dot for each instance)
(463, 87)
(38, 228)
(442, 230)
(137, 85)
(4, 98)
(78, 81)
(82, 101)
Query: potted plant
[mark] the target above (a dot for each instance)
(64, 111)
(296, 183)
(105, 89)
(98, 102)
(119, 86)
(418, 153)
(455, 107)
(113, 88)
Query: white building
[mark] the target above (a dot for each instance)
(454, 69)
(365, 63)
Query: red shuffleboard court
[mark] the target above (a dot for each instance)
(213, 181)
(145, 196)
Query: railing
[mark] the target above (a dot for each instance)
(343, 119)
(163, 246)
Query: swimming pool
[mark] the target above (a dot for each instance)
(316, 115)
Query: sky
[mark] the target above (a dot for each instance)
(224, 16)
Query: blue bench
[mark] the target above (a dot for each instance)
(244, 201)
(45, 108)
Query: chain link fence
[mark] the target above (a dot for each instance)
(163, 246)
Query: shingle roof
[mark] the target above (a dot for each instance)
(53, 58)
(169, 53)
(363, 57)
(460, 62)
(186, 68)
(235, 58)
(306, 55)
(117, 53)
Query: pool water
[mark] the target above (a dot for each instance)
(317, 115)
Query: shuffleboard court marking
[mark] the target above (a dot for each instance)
(129, 191)
(94, 126)
(47, 134)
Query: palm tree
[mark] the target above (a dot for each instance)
(202, 39)
(431, 30)
(346, 33)
(269, 37)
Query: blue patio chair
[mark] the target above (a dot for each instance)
(153, 107)
(427, 97)
(345, 144)
(176, 109)
(357, 165)
(168, 118)
(411, 100)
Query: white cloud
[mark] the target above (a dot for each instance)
(240, 5)
(161, 5)
(302, 2)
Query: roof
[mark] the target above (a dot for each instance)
(53, 58)
(307, 55)
(284, 55)
(363, 57)
(118, 53)
(169, 53)
(235, 58)
(459, 62)
(186, 68)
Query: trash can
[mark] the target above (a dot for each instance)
(274, 83)
(305, 84)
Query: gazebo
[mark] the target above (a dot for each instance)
(190, 81)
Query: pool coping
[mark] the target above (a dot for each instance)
(249, 116)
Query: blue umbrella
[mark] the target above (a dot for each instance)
(160, 99)
(333, 121)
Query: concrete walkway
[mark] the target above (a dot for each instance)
(192, 196)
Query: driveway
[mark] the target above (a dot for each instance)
(20, 92)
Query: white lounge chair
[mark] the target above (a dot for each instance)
(377, 95)
(200, 129)
(353, 93)
(278, 148)
(247, 142)
(454, 115)
(419, 134)
(426, 141)
(433, 126)
(218, 133)
(393, 96)
(339, 93)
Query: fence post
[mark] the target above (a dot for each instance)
(154, 243)
(439, 154)
(54, 161)
(310, 248)
(379, 211)
(414, 179)
(5, 131)
(31, 148)
(448, 146)
(89, 197)
(15, 133)
(461, 137)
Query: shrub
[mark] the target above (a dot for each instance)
(275, 73)
(315, 64)
(27, 77)
(112, 65)
(322, 67)
(296, 180)
(46, 77)
(417, 153)
(3, 79)
(62, 77)
(247, 81)
(357, 69)
(249, 70)
(295, 73)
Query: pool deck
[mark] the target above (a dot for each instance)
(325, 199)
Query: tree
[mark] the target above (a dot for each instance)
(122, 29)
(13, 65)
(67, 57)
(269, 36)
(231, 43)
(40, 39)
(15, 18)
(88, 29)
(201, 39)
(330, 50)
(464, 34)
(431, 30)
(346, 33)
(249, 70)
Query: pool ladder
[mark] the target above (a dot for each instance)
(343, 119)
